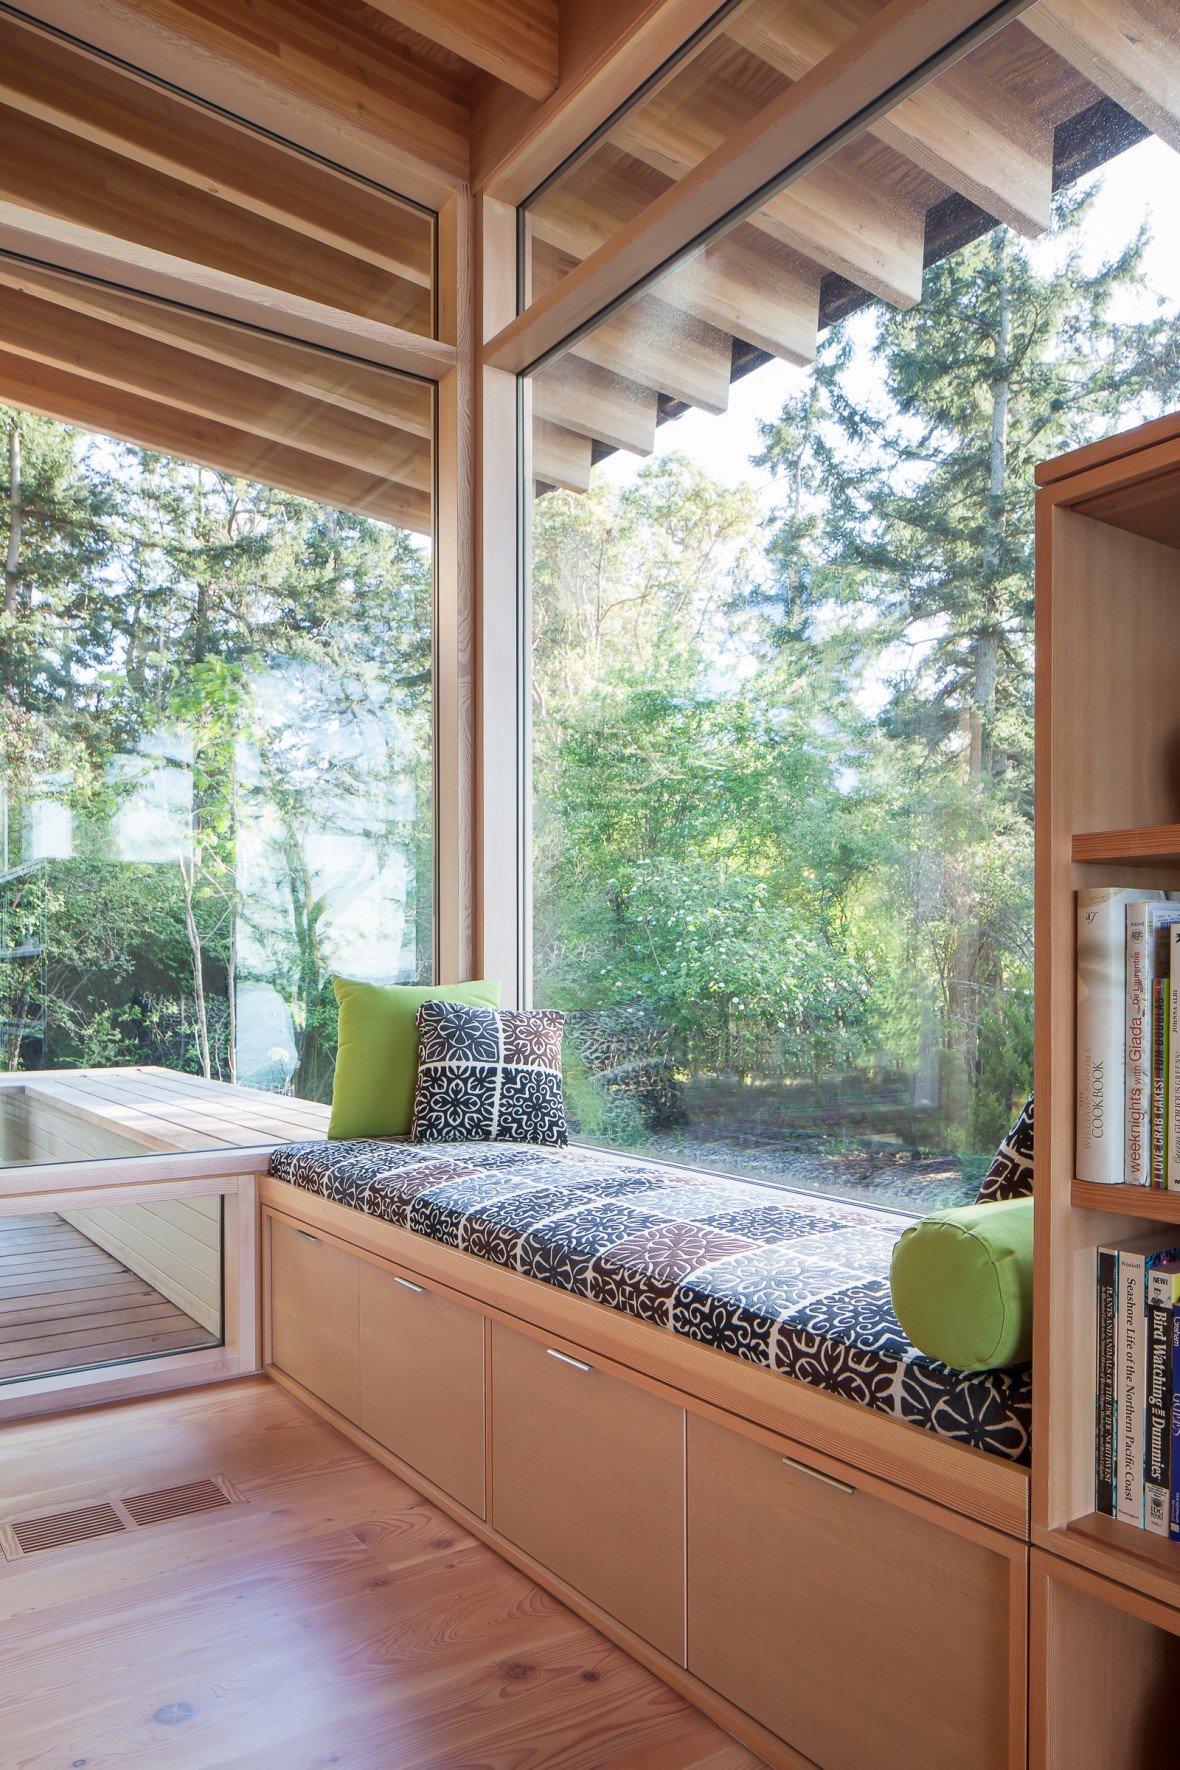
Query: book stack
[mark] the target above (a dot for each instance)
(1128, 1037)
(1137, 1412)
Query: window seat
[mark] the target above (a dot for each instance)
(790, 1281)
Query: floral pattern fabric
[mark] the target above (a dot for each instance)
(1011, 1172)
(797, 1284)
(486, 1073)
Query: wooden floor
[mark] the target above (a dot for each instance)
(66, 1304)
(336, 1618)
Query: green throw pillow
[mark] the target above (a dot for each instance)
(962, 1284)
(377, 1052)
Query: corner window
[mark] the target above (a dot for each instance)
(782, 556)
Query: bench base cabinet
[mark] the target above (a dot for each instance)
(422, 1381)
(588, 1478)
(867, 1636)
(315, 1315)
(865, 1633)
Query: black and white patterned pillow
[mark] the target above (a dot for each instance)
(1011, 1172)
(488, 1074)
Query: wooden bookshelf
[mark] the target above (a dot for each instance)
(1108, 812)
(1159, 842)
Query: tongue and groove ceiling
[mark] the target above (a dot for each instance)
(237, 291)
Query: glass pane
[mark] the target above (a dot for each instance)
(215, 741)
(782, 603)
(96, 1287)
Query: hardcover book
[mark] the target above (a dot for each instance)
(1101, 1030)
(1135, 1259)
(1163, 1293)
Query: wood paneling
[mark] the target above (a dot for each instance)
(516, 40)
(422, 1381)
(124, 114)
(588, 1477)
(1106, 1667)
(333, 80)
(175, 1245)
(335, 1614)
(315, 1315)
(868, 1637)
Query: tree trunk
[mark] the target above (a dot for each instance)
(15, 519)
(188, 875)
(973, 966)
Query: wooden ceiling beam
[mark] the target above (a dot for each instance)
(561, 457)
(374, 393)
(597, 403)
(1127, 48)
(606, 50)
(71, 399)
(835, 215)
(117, 359)
(329, 78)
(665, 349)
(962, 128)
(45, 170)
(126, 115)
(748, 284)
(871, 69)
(47, 241)
(756, 289)
(513, 40)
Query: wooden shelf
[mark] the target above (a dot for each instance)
(1136, 1558)
(1130, 1201)
(1127, 847)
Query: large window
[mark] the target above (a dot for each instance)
(782, 615)
(215, 757)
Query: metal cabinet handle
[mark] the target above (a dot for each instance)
(818, 1475)
(566, 1359)
(307, 1235)
(405, 1282)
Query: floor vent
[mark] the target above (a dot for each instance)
(28, 1536)
(31, 1535)
(177, 1502)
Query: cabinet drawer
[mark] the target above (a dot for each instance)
(315, 1315)
(866, 1637)
(588, 1477)
(422, 1381)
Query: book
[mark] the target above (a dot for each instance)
(1135, 1259)
(1173, 1079)
(1137, 1038)
(1105, 1396)
(1101, 1030)
(1161, 1049)
(1174, 1473)
(1163, 1294)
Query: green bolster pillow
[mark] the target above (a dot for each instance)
(377, 1051)
(962, 1284)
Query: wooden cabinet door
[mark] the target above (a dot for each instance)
(422, 1381)
(315, 1315)
(588, 1477)
(867, 1637)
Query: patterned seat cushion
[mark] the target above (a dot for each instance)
(796, 1283)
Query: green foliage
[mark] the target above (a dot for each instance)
(220, 689)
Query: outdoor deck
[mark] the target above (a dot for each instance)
(66, 1304)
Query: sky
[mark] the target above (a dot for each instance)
(1142, 184)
